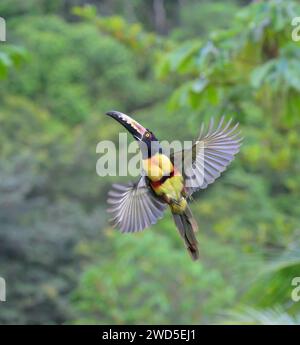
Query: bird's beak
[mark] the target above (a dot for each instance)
(130, 124)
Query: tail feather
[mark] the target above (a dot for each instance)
(187, 227)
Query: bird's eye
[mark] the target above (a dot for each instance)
(147, 135)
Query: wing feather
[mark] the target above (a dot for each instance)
(210, 155)
(134, 207)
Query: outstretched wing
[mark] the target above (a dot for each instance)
(209, 156)
(133, 206)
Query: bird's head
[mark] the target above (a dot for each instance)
(140, 133)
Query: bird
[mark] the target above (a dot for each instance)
(169, 180)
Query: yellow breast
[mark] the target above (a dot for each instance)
(157, 166)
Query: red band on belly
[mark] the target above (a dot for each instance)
(156, 184)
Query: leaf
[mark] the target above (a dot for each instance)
(292, 74)
(183, 56)
(259, 74)
(5, 63)
(199, 85)
(180, 97)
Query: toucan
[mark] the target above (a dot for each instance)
(170, 180)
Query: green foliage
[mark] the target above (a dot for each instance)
(11, 56)
(51, 197)
(277, 277)
(255, 60)
(122, 285)
(260, 191)
(37, 253)
(60, 73)
(199, 18)
(251, 71)
(216, 92)
(74, 78)
(131, 35)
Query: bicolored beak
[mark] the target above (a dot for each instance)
(130, 124)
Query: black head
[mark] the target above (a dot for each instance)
(147, 140)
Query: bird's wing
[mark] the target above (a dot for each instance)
(209, 156)
(134, 206)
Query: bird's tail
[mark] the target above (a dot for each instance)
(187, 226)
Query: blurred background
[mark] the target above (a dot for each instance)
(172, 64)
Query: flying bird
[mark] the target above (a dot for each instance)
(170, 180)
